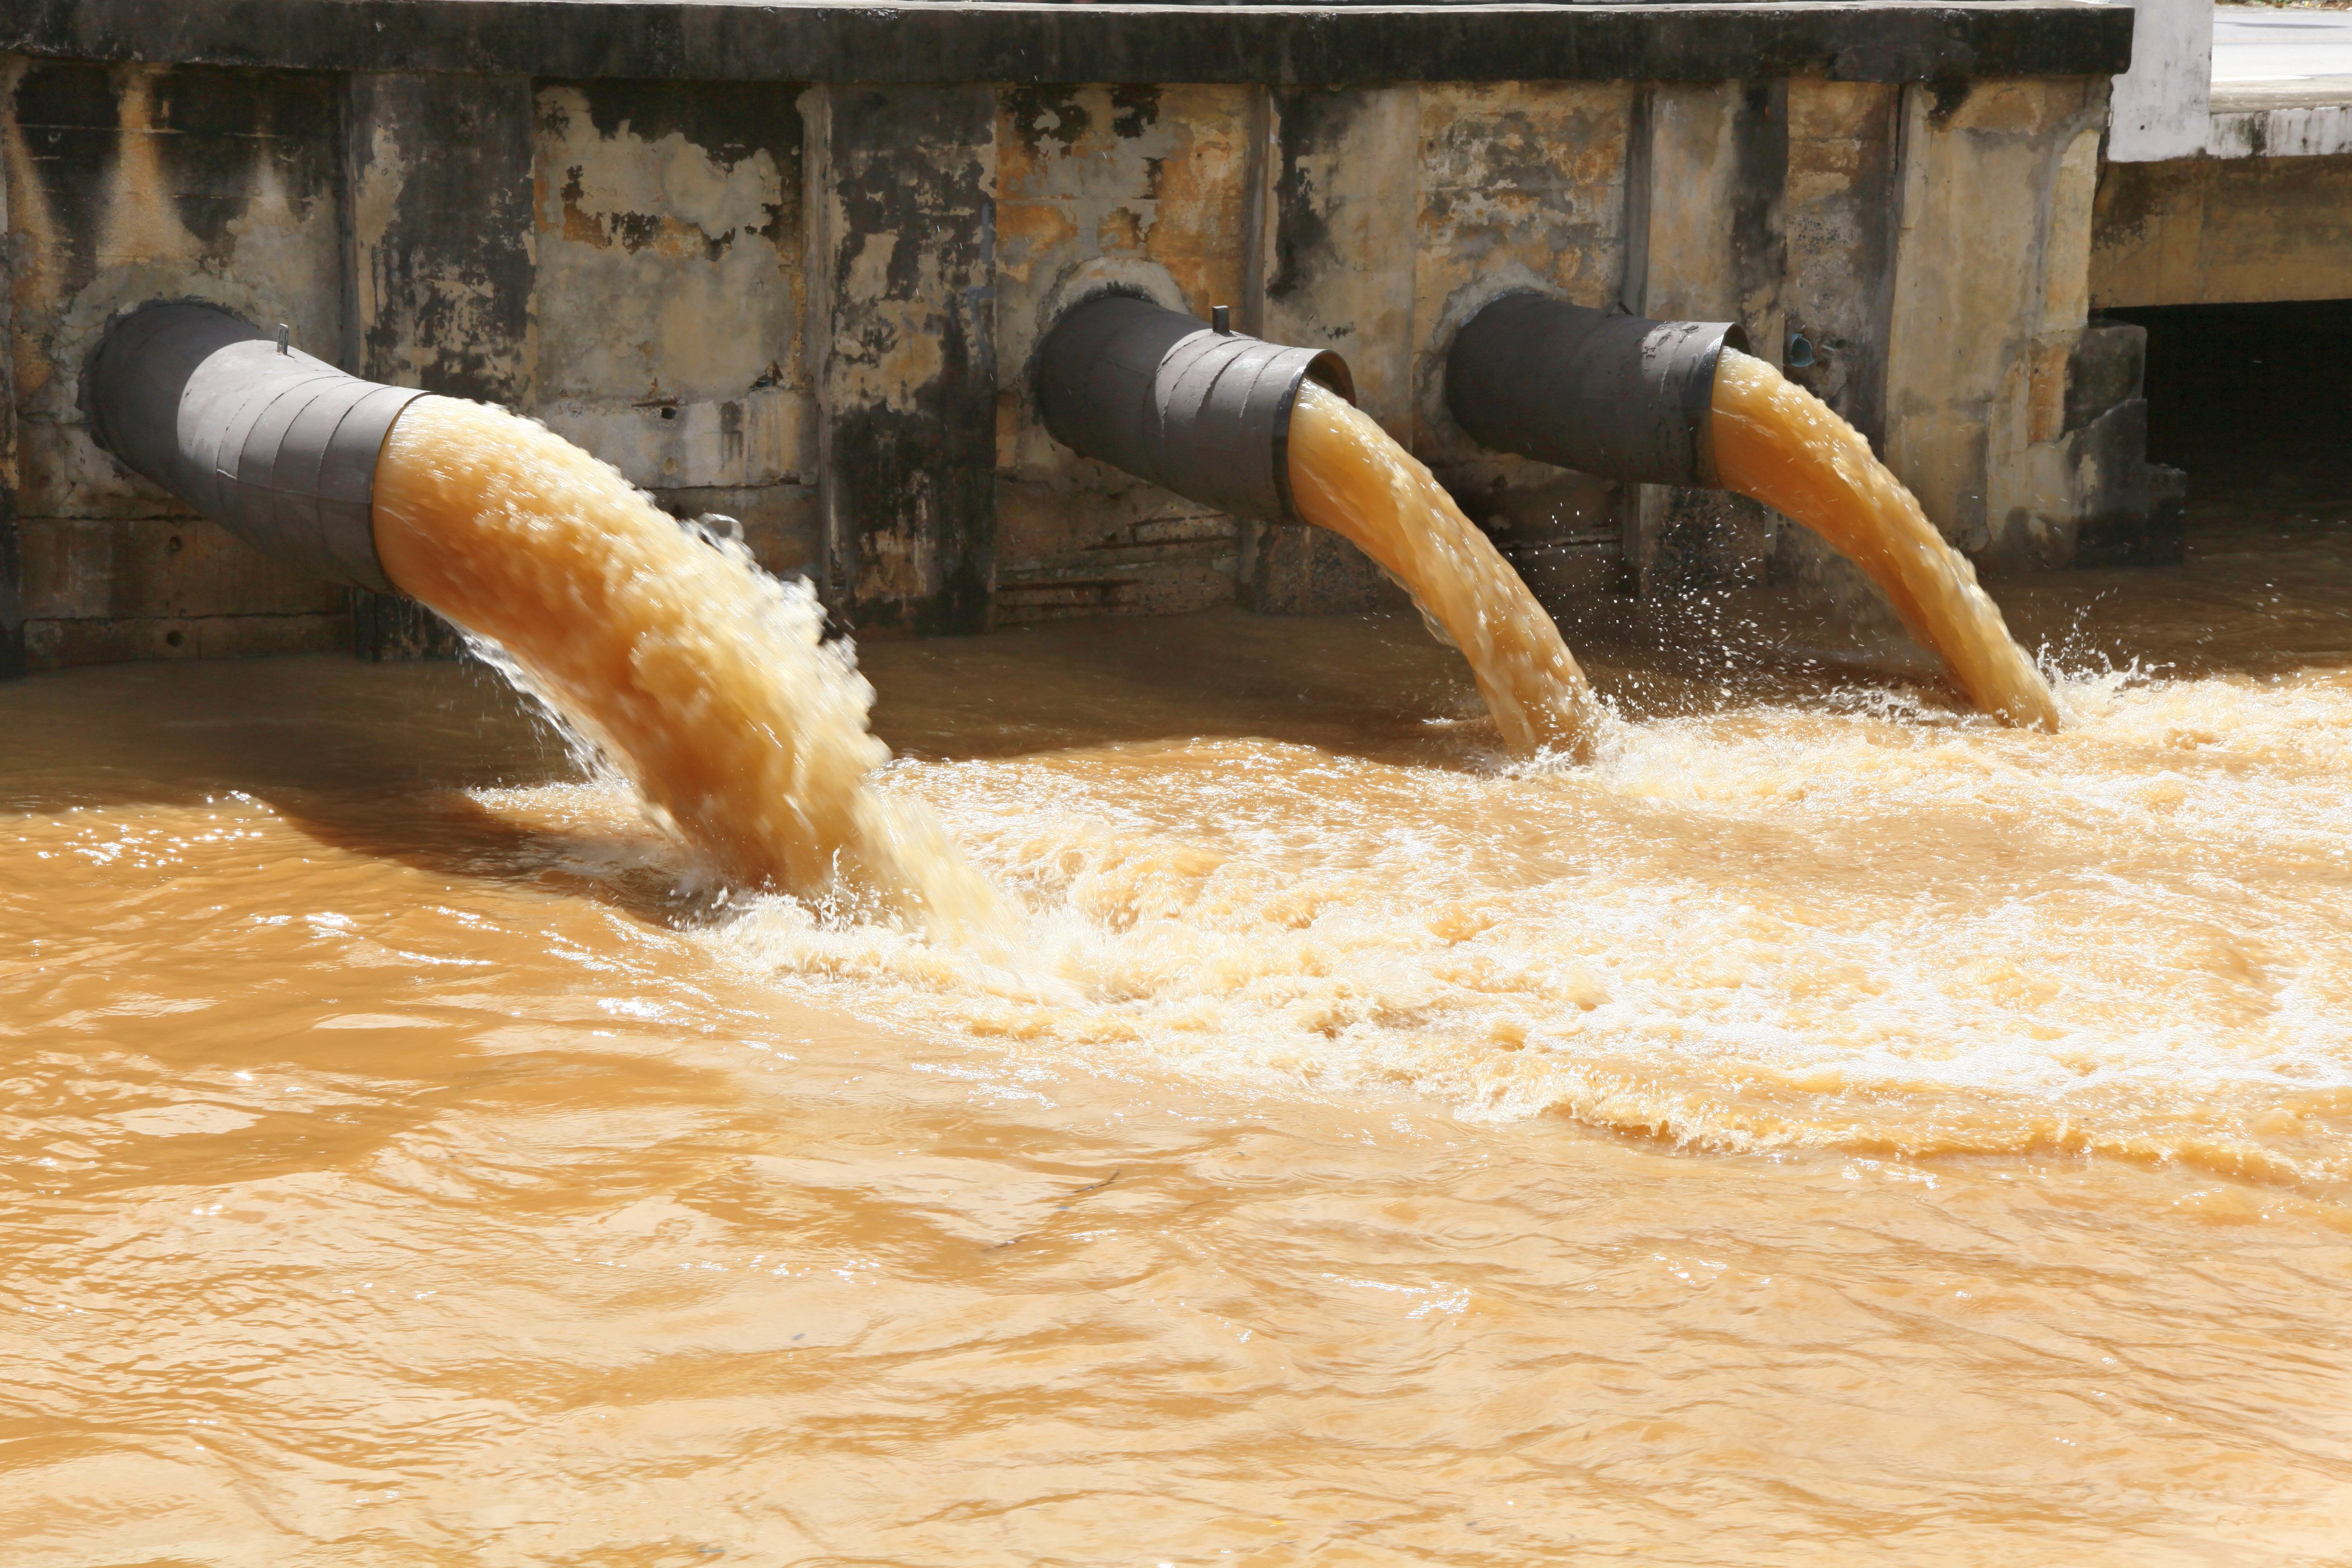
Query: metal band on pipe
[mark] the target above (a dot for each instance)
(1170, 399)
(1615, 396)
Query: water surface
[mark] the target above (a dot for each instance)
(1829, 1126)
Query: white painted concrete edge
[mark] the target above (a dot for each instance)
(2161, 106)
(2312, 131)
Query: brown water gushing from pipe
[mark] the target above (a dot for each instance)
(1778, 443)
(1348, 476)
(701, 677)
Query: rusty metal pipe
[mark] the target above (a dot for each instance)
(1615, 396)
(1172, 399)
(276, 445)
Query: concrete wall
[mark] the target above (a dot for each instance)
(814, 307)
(2211, 231)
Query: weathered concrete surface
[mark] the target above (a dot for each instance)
(1343, 167)
(1036, 44)
(1506, 187)
(441, 258)
(2282, 83)
(1977, 354)
(1522, 190)
(11, 595)
(670, 292)
(1839, 221)
(1138, 188)
(440, 220)
(2281, 120)
(2159, 105)
(126, 184)
(907, 393)
(1839, 227)
(2208, 231)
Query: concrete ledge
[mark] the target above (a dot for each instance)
(2311, 117)
(2220, 231)
(1891, 41)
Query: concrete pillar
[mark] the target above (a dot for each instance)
(902, 219)
(1989, 420)
(438, 171)
(1340, 168)
(1708, 173)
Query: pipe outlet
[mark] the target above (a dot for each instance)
(278, 447)
(1170, 399)
(1615, 396)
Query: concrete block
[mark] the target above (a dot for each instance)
(2160, 104)
(2106, 365)
(2137, 512)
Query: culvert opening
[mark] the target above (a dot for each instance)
(2235, 391)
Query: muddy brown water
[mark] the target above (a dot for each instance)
(1348, 476)
(1828, 1127)
(1778, 443)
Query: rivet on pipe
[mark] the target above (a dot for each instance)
(284, 336)
(1221, 320)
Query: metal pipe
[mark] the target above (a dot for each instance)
(1614, 396)
(1167, 397)
(276, 445)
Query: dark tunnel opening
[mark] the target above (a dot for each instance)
(2249, 392)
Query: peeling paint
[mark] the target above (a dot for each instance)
(669, 283)
(908, 391)
(442, 232)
